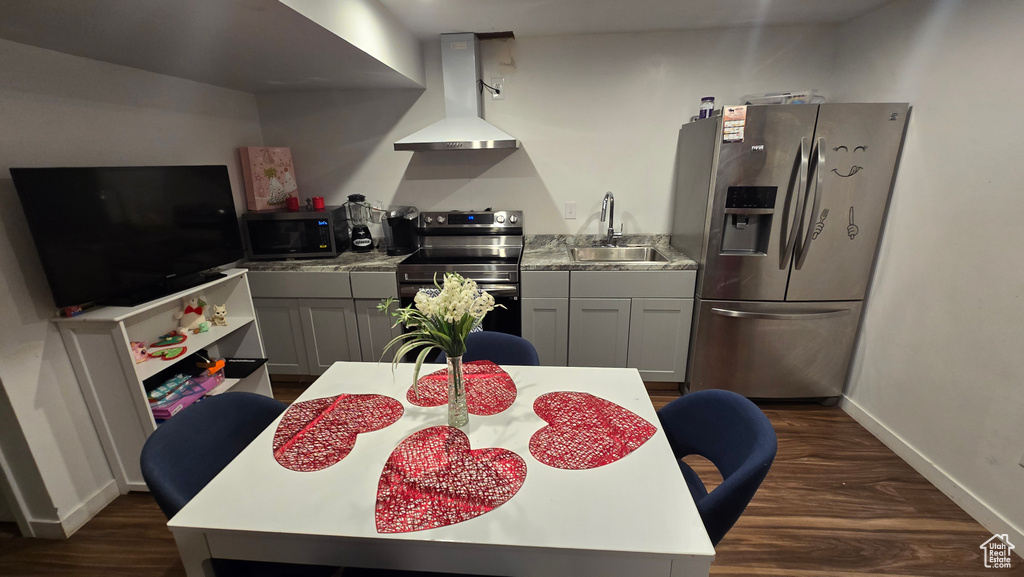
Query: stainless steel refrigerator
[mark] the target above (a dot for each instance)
(783, 207)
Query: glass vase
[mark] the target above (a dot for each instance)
(458, 413)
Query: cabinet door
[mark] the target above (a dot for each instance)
(598, 332)
(546, 325)
(330, 332)
(281, 330)
(375, 330)
(659, 338)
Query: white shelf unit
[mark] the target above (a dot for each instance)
(98, 343)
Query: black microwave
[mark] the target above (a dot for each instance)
(303, 234)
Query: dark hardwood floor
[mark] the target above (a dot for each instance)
(837, 502)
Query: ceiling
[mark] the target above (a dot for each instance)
(249, 45)
(263, 46)
(428, 18)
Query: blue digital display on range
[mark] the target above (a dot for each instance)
(470, 219)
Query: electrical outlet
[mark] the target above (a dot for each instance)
(570, 210)
(498, 82)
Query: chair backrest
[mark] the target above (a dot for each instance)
(498, 347)
(186, 452)
(734, 434)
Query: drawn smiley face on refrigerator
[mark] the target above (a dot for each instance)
(854, 168)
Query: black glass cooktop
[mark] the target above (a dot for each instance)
(424, 257)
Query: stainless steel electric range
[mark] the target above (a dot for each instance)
(486, 246)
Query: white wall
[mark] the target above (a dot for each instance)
(593, 113)
(59, 110)
(370, 27)
(938, 367)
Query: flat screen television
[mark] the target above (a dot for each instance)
(126, 235)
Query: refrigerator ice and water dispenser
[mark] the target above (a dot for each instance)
(748, 219)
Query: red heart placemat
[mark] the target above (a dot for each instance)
(585, 431)
(433, 479)
(489, 389)
(316, 434)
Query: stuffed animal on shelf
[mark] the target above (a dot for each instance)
(220, 315)
(191, 315)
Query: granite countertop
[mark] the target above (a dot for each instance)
(551, 252)
(542, 252)
(376, 260)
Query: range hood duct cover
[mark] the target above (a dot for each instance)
(462, 128)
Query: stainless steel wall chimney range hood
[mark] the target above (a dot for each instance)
(462, 128)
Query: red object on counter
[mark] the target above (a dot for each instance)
(293, 203)
(318, 203)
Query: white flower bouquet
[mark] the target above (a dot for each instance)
(439, 322)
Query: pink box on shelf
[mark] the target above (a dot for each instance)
(186, 395)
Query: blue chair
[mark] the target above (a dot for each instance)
(731, 432)
(186, 452)
(497, 347)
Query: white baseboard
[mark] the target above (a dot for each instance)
(46, 529)
(968, 501)
(66, 527)
(80, 515)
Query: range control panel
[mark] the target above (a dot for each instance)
(471, 220)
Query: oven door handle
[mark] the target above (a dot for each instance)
(495, 290)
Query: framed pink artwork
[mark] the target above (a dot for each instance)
(269, 177)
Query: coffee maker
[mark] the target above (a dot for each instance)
(400, 230)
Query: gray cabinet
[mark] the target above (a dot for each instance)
(638, 319)
(598, 332)
(329, 332)
(307, 320)
(281, 329)
(546, 325)
(544, 299)
(375, 329)
(659, 337)
(312, 319)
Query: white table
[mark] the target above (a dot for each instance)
(633, 517)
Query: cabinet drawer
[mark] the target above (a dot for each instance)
(632, 283)
(292, 284)
(544, 284)
(374, 285)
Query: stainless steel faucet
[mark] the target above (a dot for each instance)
(608, 209)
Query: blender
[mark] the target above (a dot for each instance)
(359, 218)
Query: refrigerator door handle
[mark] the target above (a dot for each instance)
(803, 160)
(780, 316)
(819, 182)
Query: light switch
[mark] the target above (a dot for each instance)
(570, 210)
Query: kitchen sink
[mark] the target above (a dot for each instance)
(616, 254)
